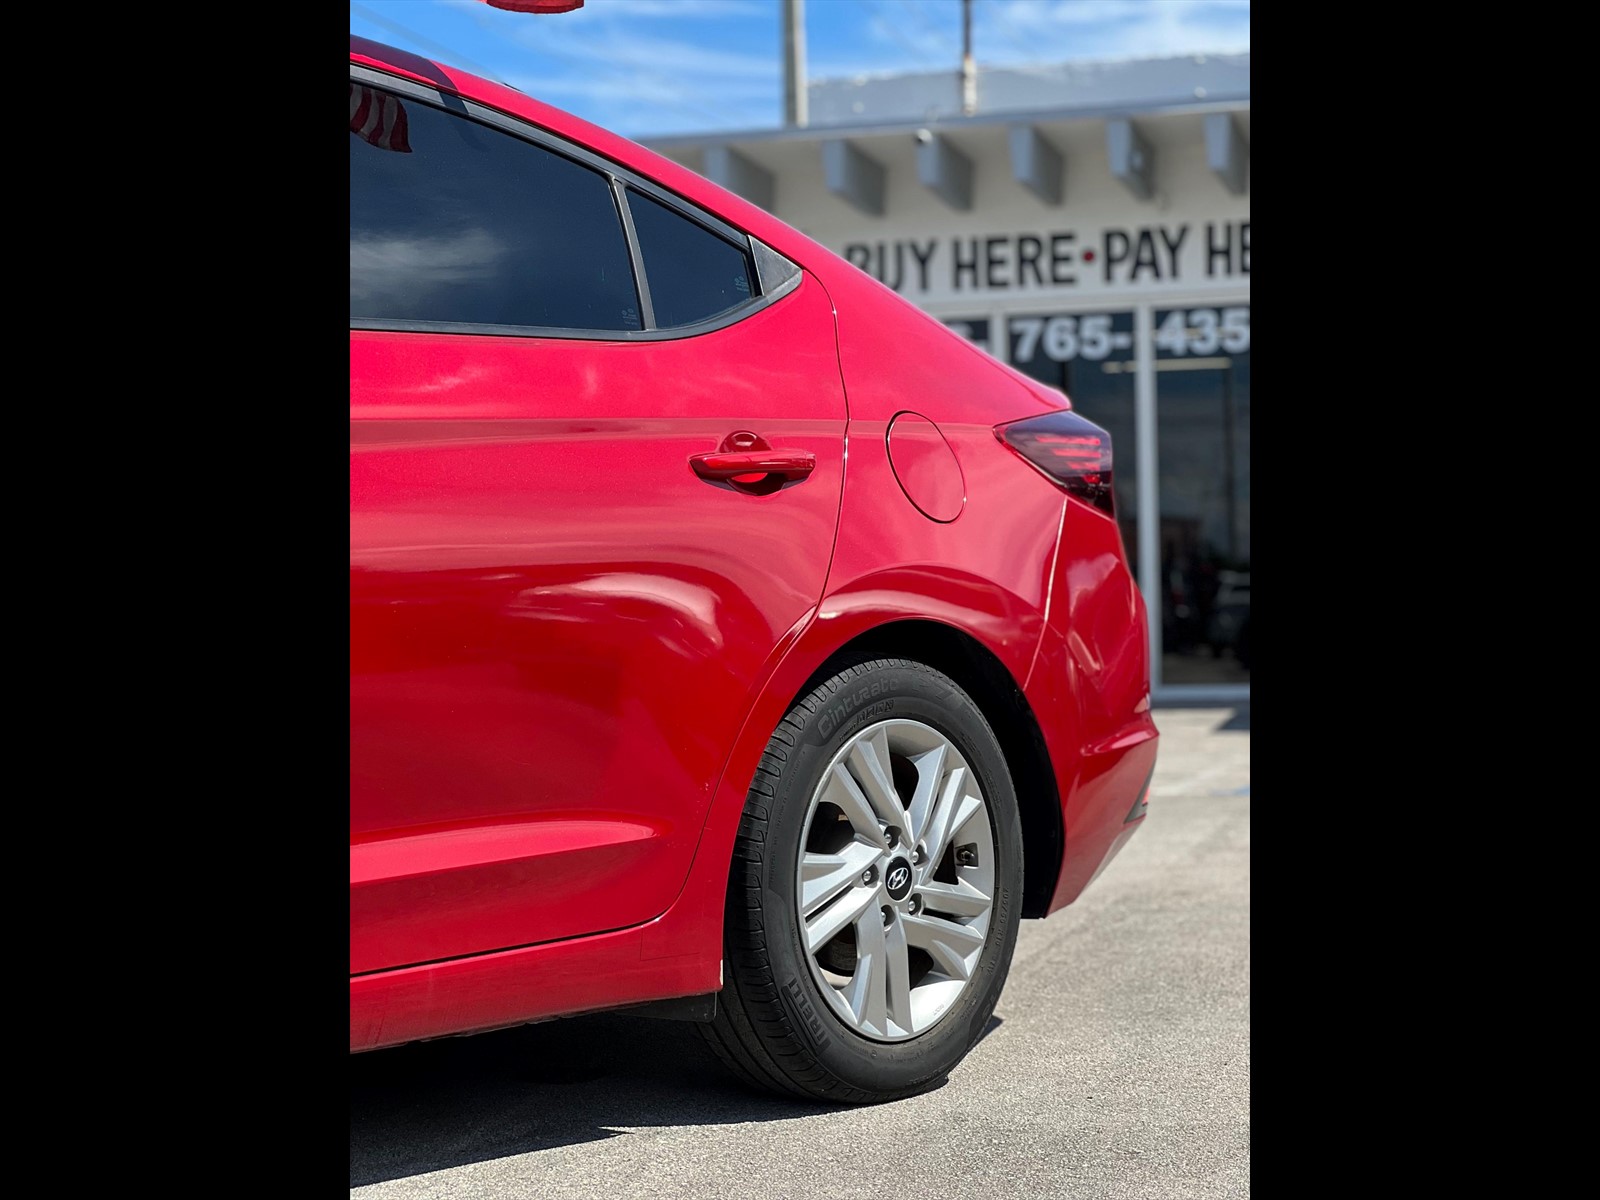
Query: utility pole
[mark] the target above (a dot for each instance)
(794, 63)
(969, 70)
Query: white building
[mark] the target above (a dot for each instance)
(1089, 223)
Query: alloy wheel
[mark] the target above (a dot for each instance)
(896, 879)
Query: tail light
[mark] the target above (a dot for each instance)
(1073, 452)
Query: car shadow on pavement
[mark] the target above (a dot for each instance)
(1239, 722)
(456, 1101)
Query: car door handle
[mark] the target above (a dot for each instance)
(724, 465)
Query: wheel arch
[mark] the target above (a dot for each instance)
(999, 696)
(983, 636)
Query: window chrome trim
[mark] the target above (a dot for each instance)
(621, 179)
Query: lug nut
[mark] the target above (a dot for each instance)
(869, 876)
(916, 857)
(916, 904)
(893, 836)
(888, 916)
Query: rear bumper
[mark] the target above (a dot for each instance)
(1090, 690)
(1104, 809)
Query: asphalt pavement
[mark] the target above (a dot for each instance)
(1117, 1063)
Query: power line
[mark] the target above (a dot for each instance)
(617, 73)
(443, 53)
(609, 67)
(922, 20)
(920, 53)
(1029, 53)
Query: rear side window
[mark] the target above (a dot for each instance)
(452, 221)
(694, 274)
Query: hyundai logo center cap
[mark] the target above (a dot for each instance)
(897, 880)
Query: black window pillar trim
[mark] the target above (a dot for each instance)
(647, 310)
(621, 180)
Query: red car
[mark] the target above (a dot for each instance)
(727, 636)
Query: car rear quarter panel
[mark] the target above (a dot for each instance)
(988, 573)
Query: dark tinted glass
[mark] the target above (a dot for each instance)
(693, 273)
(1203, 404)
(453, 221)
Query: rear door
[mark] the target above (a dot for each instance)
(596, 449)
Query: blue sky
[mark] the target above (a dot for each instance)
(680, 66)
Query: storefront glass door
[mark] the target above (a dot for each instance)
(1202, 387)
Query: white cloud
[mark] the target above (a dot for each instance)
(642, 82)
(694, 63)
(643, 9)
(907, 35)
(621, 64)
(916, 30)
(682, 9)
(381, 266)
(605, 63)
(1059, 30)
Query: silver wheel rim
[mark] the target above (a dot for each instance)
(892, 953)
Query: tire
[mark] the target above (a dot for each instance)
(854, 1018)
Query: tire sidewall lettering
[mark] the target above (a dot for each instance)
(804, 1014)
(854, 708)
